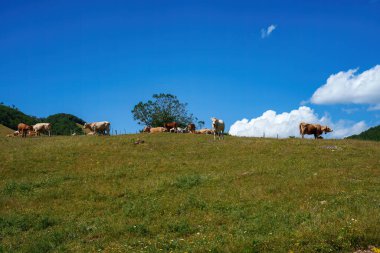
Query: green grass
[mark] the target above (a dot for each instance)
(5, 130)
(188, 193)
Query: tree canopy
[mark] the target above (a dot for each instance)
(163, 108)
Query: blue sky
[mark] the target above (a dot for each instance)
(97, 59)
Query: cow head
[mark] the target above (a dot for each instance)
(326, 129)
(86, 125)
(146, 129)
(214, 122)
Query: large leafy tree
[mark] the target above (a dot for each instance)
(163, 108)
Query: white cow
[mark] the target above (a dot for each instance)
(102, 127)
(42, 127)
(218, 128)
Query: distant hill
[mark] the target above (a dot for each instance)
(62, 123)
(372, 134)
(11, 117)
(65, 124)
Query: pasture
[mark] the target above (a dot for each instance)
(5, 130)
(188, 193)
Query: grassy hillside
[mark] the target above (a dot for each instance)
(187, 193)
(5, 130)
(372, 134)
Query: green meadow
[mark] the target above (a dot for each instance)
(188, 193)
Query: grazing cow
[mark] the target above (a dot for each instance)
(205, 131)
(102, 127)
(170, 125)
(23, 129)
(315, 129)
(218, 128)
(42, 127)
(154, 130)
(191, 127)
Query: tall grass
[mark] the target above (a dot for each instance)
(188, 193)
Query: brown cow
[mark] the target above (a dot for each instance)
(170, 125)
(315, 129)
(191, 127)
(23, 129)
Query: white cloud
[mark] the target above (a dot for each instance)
(266, 32)
(349, 87)
(287, 124)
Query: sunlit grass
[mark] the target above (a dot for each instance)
(184, 192)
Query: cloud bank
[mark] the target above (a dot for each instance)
(287, 124)
(266, 32)
(350, 87)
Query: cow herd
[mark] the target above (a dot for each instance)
(103, 128)
(172, 127)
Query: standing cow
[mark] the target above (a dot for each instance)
(102, 127)
(315, 129)
(218, 128)
(42, 127)
(23, 129)
(170, 125)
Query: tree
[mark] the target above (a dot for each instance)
(201, 123)
(162, 109)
